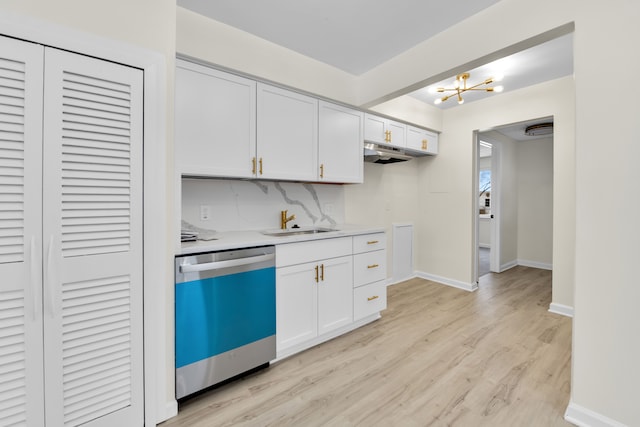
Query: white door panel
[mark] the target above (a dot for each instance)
(20, 233)
(92, 231)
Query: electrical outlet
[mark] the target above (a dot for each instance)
(205, 212)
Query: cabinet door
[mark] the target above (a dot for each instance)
(92, 230)
(21, 354)
(287, 134)
(296, 305)
(397, 134)
(375, 129)
(215, 127)
(335, 294)
(422, 140)
(340, 144)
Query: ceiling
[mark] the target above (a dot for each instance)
(352, 35)
(358, 35)
(546, 61)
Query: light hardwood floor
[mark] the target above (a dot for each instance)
(438, 357)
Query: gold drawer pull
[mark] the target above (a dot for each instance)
(372, 242)
(373, 297)
(317, 274)
(373, 266)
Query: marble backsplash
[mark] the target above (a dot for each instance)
(256, 205)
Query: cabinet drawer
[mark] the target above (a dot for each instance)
(369, 242)
(369, 299)
(312, 250)
(369, 267)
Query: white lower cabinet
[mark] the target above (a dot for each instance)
(369, 275)
(312, 297)
(323, 288)
(335, 299)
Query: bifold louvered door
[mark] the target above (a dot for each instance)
(21, 351)
(82, 273)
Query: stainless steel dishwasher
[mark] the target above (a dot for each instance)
(225, 315)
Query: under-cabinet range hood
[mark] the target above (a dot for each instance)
(376, 153)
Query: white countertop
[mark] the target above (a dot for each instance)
(246, 239)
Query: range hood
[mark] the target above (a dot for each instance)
(376, 153)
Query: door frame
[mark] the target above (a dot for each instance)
(156, 254)
(494, 234)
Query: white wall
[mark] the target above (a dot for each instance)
(228, 47)
(150, 25)
(447, 191)
(412, 110)
(606, 343)
(388, 195)
(535, 201)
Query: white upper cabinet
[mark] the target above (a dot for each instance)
(215, 122)
(422, 140)
(340, 144)
(384, 131)
(287, 137)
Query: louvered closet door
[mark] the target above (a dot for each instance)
(20, 233)
(92, 232)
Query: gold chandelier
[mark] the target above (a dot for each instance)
(460, 87)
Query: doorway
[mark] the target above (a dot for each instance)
(513, 203)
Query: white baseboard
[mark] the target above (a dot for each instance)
(393, 281)
(584, 417)
(535, 264)
(470, 287)
(562, 309)
(508, 265)
(170, 411)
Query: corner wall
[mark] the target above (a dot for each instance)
(446, 182)
(535, 202)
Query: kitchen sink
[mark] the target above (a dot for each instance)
(297, 231)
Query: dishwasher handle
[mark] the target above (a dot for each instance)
(192, 268)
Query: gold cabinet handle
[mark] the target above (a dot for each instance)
(322, 170)
(322, 272)
(424, 144)
(260, 165)
(373, 266)
(316, 274)
(253, 166)
(389, 136)
(372, 242)
(373, 297)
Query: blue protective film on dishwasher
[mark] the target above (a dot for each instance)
(222, 313)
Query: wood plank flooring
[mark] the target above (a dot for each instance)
(438, 357)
